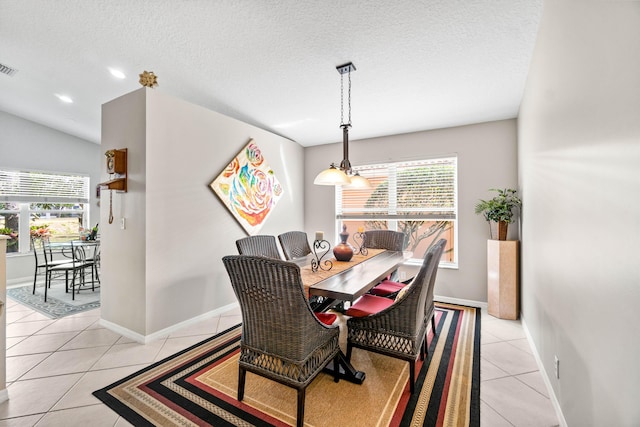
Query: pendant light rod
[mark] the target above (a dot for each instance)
(343, 175)
(343, 69)
(345, 164)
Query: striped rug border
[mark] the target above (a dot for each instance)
(162, 395)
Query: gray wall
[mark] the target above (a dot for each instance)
(28, 145)
(166, 266)
(579, 157)
(487, 159)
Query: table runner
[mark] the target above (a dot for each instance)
(310, 278)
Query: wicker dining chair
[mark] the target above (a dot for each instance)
(281, 337)
(384, 239)
(260, 245)
(400, 329)
(294, 244)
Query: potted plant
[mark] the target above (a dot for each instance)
(12, 243)
(499, 211)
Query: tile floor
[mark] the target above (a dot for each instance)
(54, 365)
(512, 391)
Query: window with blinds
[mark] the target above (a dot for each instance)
(40, 187)
(38, 200)
(418, 198)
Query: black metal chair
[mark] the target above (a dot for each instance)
(90, 254)
(294, 244)
(260, 245)
(76, 265)
(281, 337)
(44, 259)
(400, 329)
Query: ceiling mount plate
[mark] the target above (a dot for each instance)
(346, 68)
(5, 69)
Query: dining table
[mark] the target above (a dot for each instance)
(349, 280)
(346, 281)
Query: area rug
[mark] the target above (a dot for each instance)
(198, 386)
(59, 303)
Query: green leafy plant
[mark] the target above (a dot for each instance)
(8, 232)
(12, 243)
(501, 207)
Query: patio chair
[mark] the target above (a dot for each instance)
(281, 337)
(44, 259)
(76, 265)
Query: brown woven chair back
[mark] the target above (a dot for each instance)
(260, 245)
(294, 244)
(281, 337)
(400, 330)
(384, 239)
(429, 308)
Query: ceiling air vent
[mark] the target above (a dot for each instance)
(4, 69)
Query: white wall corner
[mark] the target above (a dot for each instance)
(545, 376)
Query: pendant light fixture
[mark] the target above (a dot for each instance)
(343, 174)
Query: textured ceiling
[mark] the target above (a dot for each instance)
(420, 64)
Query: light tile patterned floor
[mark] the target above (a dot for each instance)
(54, 365)
(512, 391)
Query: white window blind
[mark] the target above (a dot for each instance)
(41, 187)
(423, 189)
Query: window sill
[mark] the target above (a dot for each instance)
(414, 262)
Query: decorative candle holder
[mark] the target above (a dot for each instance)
(358, 239)
(320, 249)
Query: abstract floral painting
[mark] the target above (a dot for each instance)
(248, 188)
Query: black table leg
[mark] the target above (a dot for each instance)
(346, 371)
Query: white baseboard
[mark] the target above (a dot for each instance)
(145, 339)
(545, 377)
(123, 331)
(4, 395)
(459, 301)
(20, 281)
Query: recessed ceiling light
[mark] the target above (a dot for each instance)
(64, 98)
(117, 73)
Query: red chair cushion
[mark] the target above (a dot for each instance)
(367, 305)
(326, 318)
(387, 287)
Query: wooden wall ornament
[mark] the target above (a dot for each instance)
(148, 79)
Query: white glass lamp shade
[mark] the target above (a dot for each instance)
(332, 176)
(358, 182)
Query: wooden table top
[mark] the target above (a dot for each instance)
(349, 284)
